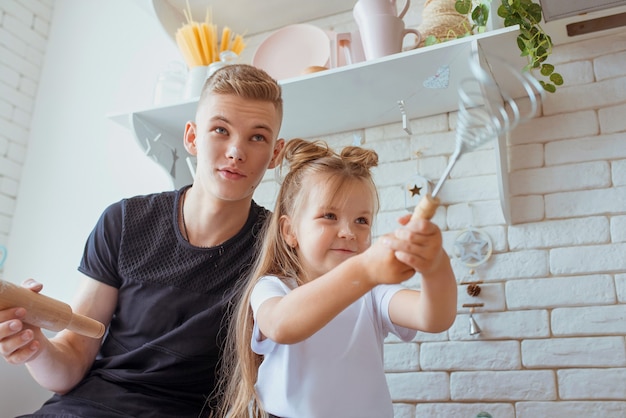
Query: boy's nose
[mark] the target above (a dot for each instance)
(235, 153)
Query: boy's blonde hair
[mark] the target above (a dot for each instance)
(245, 81)
(278, 258)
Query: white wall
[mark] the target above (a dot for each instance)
(101, 58)
(555, 288)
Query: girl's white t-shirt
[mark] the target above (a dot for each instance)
(338, 371)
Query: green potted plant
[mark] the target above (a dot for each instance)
(532, 41)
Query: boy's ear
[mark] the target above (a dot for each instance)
(189, 139)
(275, 161)
(287, 232)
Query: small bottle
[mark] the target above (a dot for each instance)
(226, 57)
(170, 84)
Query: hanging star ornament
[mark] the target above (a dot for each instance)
(473, 247)
(415, 187)
(415, 191)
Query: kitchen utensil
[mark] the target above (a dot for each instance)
(45, 312)
(486, 111)
(288, 51)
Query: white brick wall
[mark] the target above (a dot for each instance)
(23, 34)
(553, 325)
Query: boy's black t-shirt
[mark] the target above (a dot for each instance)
(160, 353)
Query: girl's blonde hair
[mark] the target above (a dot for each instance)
(276, 257)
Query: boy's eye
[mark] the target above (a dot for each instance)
(220, 130)
(258, 138)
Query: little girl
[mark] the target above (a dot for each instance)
(309, 329)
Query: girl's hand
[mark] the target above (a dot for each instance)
(381, 263)
(420, 244)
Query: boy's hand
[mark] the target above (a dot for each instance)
(17, 339)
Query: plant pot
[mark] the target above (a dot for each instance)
(441, 20)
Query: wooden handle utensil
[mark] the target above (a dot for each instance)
(426, 207)
(46, 312)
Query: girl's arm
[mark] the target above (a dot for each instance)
(433, 309)
(308, 308)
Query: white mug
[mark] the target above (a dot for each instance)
(384, 35)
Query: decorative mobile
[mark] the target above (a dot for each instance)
(473, 247)
(440, 80)
(415, 191)
(415, 187)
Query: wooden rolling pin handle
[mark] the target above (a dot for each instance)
(426, 207)
(45, 312)
(86, 326)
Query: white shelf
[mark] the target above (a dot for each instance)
(246, 16)
(347, 98)
(365, 94)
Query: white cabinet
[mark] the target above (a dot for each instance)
(347, 98)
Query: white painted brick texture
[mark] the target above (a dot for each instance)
(24, 29)
(554, 290)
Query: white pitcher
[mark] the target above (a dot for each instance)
(382, 28)
(378, 7)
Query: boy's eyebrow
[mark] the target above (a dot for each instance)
(225, 119)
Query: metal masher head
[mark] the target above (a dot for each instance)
(487, 109)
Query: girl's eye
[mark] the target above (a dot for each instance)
(363, 221)
(329, 216)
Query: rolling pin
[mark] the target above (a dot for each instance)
(46, 312)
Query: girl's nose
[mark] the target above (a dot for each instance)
(235, 153)
(346, 232)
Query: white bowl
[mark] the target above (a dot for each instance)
(290, 50)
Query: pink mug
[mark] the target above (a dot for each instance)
(384, 35)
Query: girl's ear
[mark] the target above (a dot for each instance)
(286, 231)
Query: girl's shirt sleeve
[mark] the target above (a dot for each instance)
(268, 287)
(381, 296)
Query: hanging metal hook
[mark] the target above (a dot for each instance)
(405, 120)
